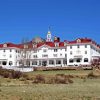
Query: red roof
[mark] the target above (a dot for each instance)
(81, 40)
(51, 44)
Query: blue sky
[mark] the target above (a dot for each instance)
(68, 19)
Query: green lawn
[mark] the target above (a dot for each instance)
(67, 72)
(88, 89)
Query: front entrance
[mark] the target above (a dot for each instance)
(44, 63)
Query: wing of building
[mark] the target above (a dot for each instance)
(49, 53)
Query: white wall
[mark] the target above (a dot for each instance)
(50, 53)
(95, 52)
(78, 53)
(39, 52)
(8, 56)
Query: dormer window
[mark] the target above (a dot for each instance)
(65, 44)
(56, 44)
(25, 46)
(5, 45)
(34, 45)
(78, 41)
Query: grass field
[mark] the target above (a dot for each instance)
(67, 72)
(88, 89)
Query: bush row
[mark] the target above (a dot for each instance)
(57, 79)
(11, 74)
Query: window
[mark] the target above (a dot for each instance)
(25, 46)
(56, 44)
(4, 50)
(10, 50)
(4, 63)
(16, 51)
(65, 55)
(34, 56)
(71, 53)
(10, 63)
(64, 61)
(34, 45)
(78, 46)
(85, 52)
(55, 55)
(65, 44)
(85, 46)
(5, 45)
(44, 50)
(35, 51)
(78, 60)
(44, 55)
(65, 49)
(85, 59)
(58, 61)
(34, 63)
(71, 60)
(78, 40)
(70, 47)
(51, 62)
(60, 54)
(10, 56)
(55, 50)
(40, 63)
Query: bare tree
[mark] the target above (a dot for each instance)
(95, 63)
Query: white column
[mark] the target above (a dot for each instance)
(41, 62)
(37, 63)
(47, 63)
(30, 63)
(55, 62)
(62, 63)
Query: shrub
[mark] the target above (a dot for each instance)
(63, 79)
(25, 76)
(60, 80)
(11, 74)
(91, 75)
(70, 81)
(26, 82)
(39, 79)
(22, 79)
(5, 74)
(57, 79)
(94, 74)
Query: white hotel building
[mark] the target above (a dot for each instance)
(49, 53)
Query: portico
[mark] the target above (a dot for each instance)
(49, 62)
